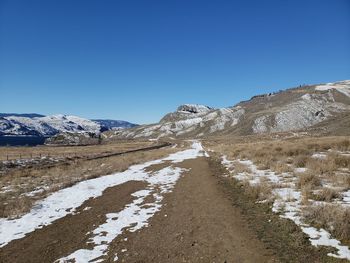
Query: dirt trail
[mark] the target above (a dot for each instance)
(197, 223)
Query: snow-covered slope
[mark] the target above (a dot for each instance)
(114, 124)
(67, 123)
(294, 109)
(341, 86)
(40, 125)
(187, 120)
(13, 125)
(46, 126)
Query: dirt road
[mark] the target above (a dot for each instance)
(195, 222)
(198, 224)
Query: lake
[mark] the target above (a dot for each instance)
(21, 140)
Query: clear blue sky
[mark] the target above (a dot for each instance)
(136, 60)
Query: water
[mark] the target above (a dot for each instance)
(21, 140)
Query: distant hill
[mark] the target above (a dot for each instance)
(312, 108)
(32, 124)
(113, 124)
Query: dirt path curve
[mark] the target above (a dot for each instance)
(197, 224)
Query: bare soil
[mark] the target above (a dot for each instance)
(198, 224)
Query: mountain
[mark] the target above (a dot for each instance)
(47, 126)
(297, 109)
(113, 124)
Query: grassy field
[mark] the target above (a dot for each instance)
(21, 186)
(316, 167)
(13, 153)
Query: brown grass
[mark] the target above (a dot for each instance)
(284, 155)
(241, 168)
(300, 161)
(322, 166)
(69, 151)
(334, 218)
(327, 194)
(261, 191)
(61, 175)
(281, 167)
(308, 180)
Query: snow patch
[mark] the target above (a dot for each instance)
(342, 86)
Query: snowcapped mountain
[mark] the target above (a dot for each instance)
(114, 124)
(46, 126)
(294, 109)
(67, 123)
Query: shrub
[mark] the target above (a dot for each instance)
(327, 194)
(333, 218)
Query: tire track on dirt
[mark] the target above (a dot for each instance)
(197, 224)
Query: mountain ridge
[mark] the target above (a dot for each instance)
(294, 109)
(33, 124)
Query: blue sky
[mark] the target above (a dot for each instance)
(137, 60)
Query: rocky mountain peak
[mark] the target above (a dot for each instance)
(194, 108)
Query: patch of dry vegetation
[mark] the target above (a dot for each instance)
(260, 191)
(240, 167)
(70, 151)
(267, 152)
(326, 175)
(334, 218)
(308, 180)
(14, 200)
(327, 194)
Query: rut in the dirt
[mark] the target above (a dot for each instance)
(197, 224)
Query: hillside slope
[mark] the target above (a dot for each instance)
(46, 126)
(294, 109)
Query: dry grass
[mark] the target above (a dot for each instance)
(284, 155)
(261, 191)
(325, 178)
(343, 180)
(52, 178)
(306, 195)
(65, 151)
(308, 180)
(334, 218)
(300, 161)
(327, 194)
(240, 167)
(281, 167)
(281, 148)
(322, 166)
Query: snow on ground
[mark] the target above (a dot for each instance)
(321, 155)
(189, 118)
(66, 201)
(346, 197)
(342, 86)
(134, 216)
(288, 203)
